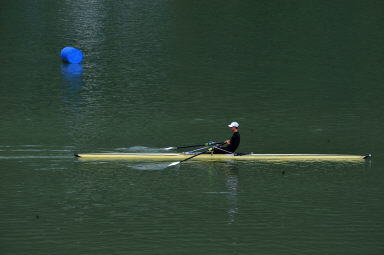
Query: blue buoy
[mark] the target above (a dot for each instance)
(71, 55)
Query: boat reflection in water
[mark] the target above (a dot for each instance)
(232, 186)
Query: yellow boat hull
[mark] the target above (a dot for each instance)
(181, 156)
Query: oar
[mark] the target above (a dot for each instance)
(178, 162)
(190, 146)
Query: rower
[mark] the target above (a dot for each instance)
(233, 143)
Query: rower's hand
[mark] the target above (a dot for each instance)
(228, 142)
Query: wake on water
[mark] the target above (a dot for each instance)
(150, 166)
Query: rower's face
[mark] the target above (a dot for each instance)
(233, 129)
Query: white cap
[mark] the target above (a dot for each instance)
(234, 124)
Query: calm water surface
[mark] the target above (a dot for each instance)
(299, 77)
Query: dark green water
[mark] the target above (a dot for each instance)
(299, 77)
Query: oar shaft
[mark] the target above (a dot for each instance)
(206, 144)
(197, 150)
(189, 146)
(197, 154)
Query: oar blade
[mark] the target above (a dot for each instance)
(174, 163)
(169, 148)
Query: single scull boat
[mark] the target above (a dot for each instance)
(236, 156)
